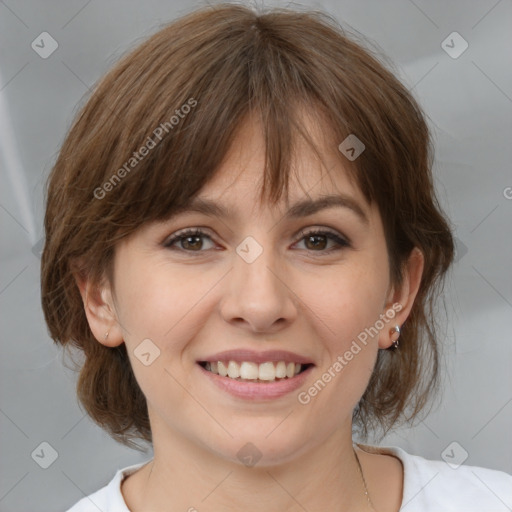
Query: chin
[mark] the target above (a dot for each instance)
(258, 447)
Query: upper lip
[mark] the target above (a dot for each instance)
(241, 355)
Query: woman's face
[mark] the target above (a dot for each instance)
(255, 284)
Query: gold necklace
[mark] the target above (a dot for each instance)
(364, 481)
(360, 472)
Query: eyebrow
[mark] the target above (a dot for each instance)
(299, 209)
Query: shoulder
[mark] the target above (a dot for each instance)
(436, 485)
(108, 498)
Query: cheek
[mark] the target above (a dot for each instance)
(165, 306)
(347, 302)
(155, 308)
(151, 299)
(345, 310)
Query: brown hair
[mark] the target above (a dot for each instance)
(225, 62)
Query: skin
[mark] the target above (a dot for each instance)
(192, 304)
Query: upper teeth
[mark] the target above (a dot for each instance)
(247, 370)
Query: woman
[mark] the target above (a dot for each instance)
(243, 238)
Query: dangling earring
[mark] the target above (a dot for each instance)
(392, 332)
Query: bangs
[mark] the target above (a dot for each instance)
(184, 117)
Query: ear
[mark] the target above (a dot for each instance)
(402, 299)
(100, 310)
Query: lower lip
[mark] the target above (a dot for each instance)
(256, 390)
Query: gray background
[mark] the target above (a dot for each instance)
(468, 101)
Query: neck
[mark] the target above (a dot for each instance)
(184, 476)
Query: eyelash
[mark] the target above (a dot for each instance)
(341, 242)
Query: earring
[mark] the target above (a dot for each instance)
(392, 333)
(106, 335)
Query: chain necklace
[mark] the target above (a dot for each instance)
(367, 494)
(364, 481)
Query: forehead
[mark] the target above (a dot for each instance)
(317, 170)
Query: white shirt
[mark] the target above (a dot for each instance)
(429, 486)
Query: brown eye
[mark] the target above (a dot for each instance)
(190, 240)
(195, 244)
(317, 241)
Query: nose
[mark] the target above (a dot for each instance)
(257, 295)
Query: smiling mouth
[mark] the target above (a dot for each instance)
(247, 371)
